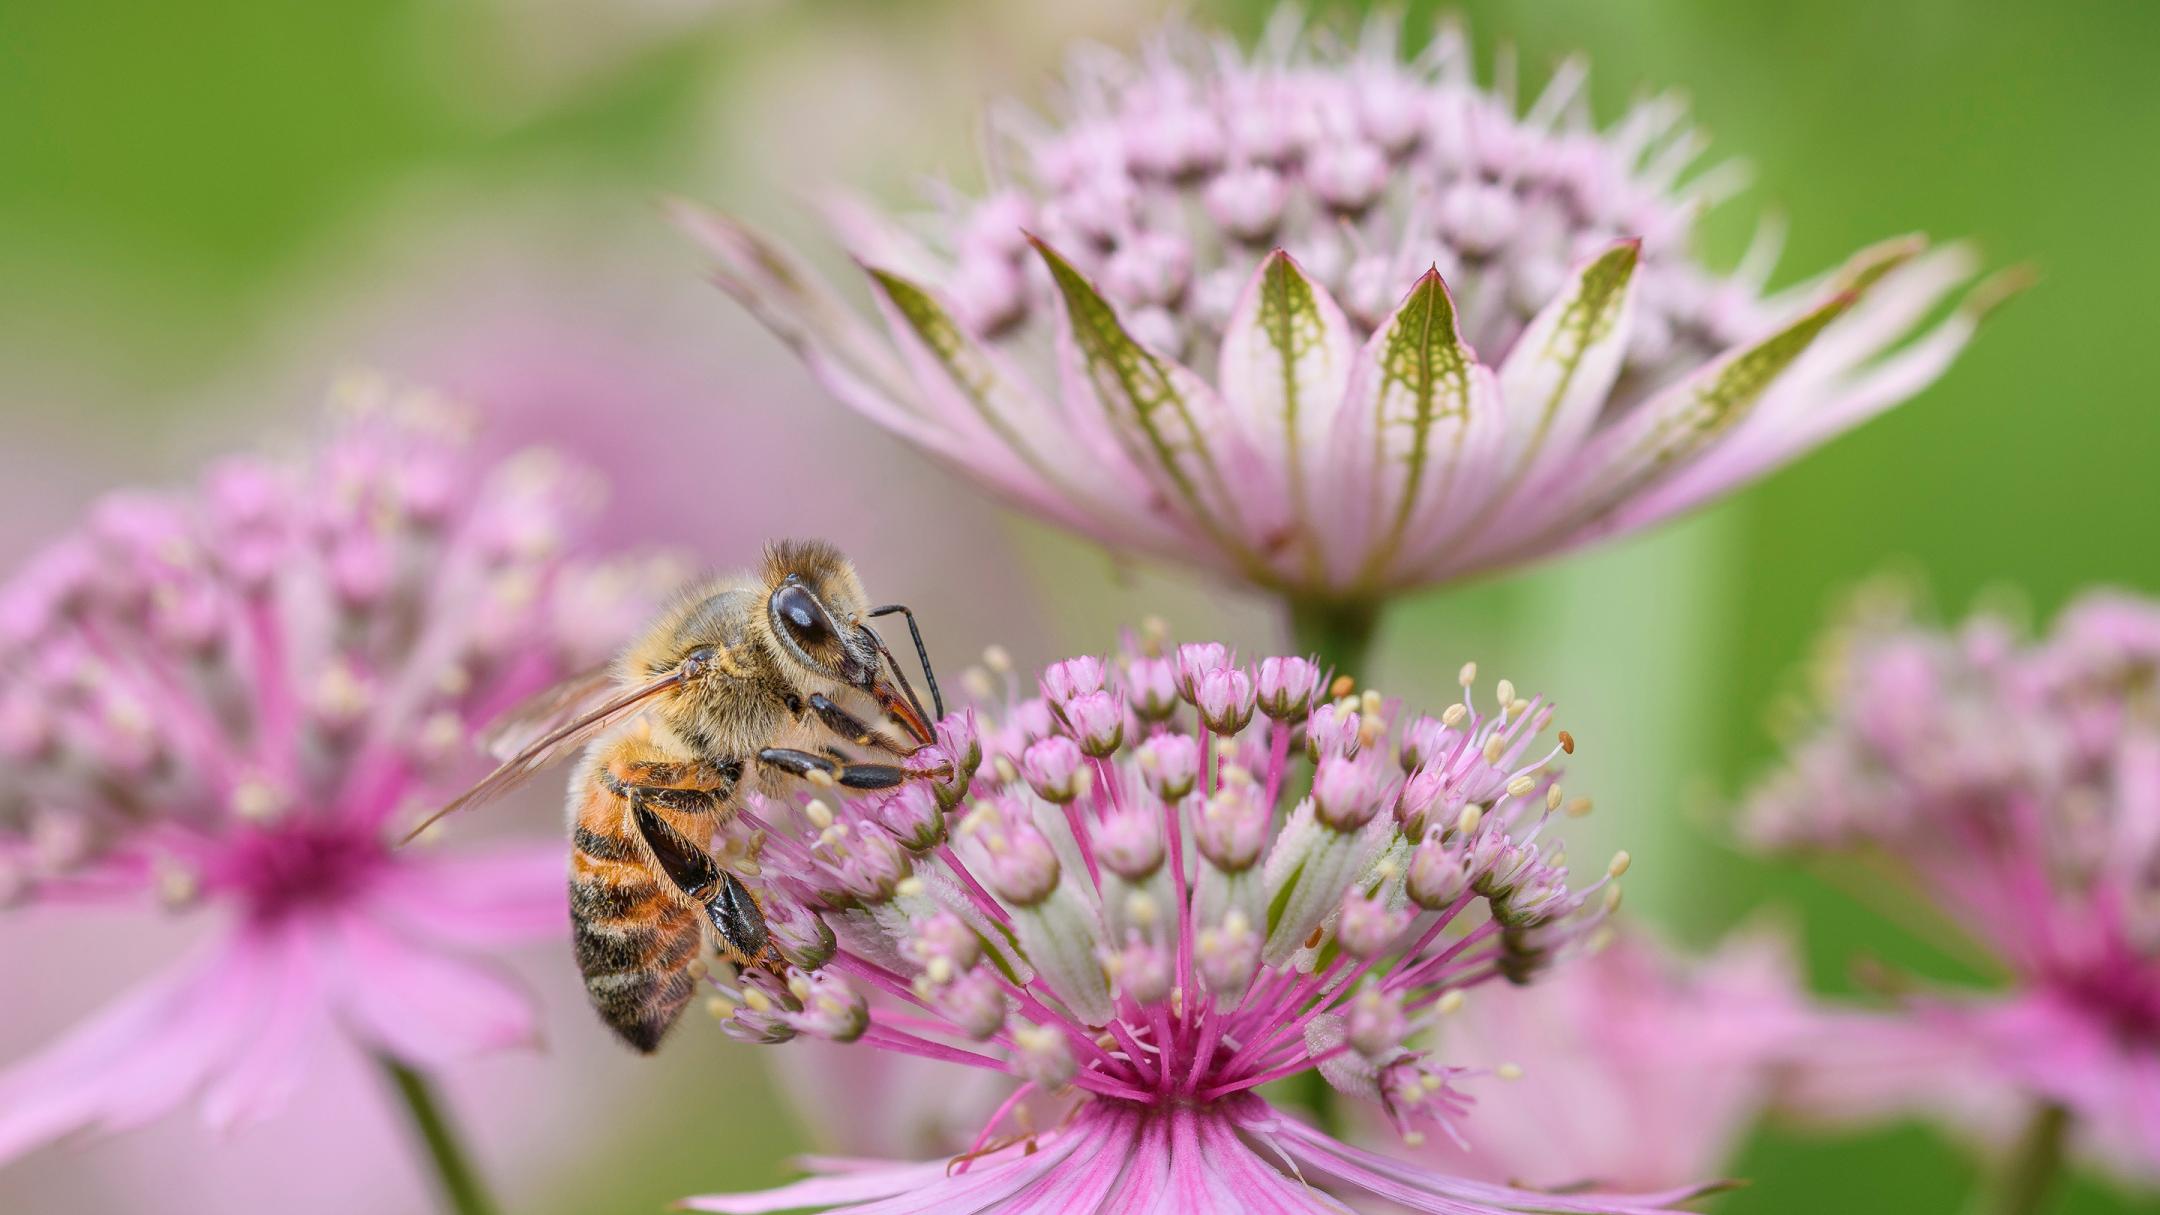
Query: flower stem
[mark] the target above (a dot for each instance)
(463, 1193)
(1339, 631)
(2022, 1185)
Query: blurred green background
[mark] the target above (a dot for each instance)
(181, 184)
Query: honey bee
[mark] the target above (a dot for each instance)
(746, 682)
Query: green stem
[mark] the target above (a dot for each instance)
(1340, 632)
(2022, 1185)
(1341, 635)
(463, 1193)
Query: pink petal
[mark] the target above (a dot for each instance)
(147, 1052)
(287, 1030)
(484, 900)
(985, 416)
(843, 353)
(1421, 1189)
(421, 1005)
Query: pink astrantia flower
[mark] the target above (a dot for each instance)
(233, 700)
(2016, 786)
(1341, 324)
(1153, 947)
(1638, 1068)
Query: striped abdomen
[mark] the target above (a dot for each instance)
(635, 938)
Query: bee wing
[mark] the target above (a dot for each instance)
(546, 712)
(546, 749)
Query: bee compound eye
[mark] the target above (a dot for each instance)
(803, 617)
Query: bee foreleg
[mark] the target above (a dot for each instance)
(852, 728)
(848, 774)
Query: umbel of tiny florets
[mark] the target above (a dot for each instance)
(2013, 786)
(1342, 323)
(238, 697)
(1135, 904)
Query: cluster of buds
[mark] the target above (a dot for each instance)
(1173, 878)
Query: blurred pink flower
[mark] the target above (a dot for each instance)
(1639, 1069)
(1064, 935)
(2016, 787)
(1340, 324)
(234, 699)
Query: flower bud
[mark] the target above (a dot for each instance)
(914, 817)
(1042, 1055)
(1286, 687)
(1098, 723)
(800, 934)
(1062, 681)
(1224, 697)
(1141, 970)
(1052, 769)
(1346, 792)
(1436, 878)
(1366, 925)
(1331, 730)
(1170, 764)
(1231, 827)
(1023, 867)
(831, 1008)
(1195, 659)
(1376, 1025)
(1428, 800)
(944, 946)
(1151, 687)
(1248, 202)
(975, 1004)
(1130, 843)
(1228, 954)
(873, 865)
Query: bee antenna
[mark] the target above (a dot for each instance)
(922, 655)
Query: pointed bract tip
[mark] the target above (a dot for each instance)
(2000, 288)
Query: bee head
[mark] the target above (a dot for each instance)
(815, 609)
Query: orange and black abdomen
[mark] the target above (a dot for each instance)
(635, 939)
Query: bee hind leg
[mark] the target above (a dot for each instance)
(732, 910)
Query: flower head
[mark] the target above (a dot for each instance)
(2016, 787)
(234, 698)
(1081, 947)
(1340, 323)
